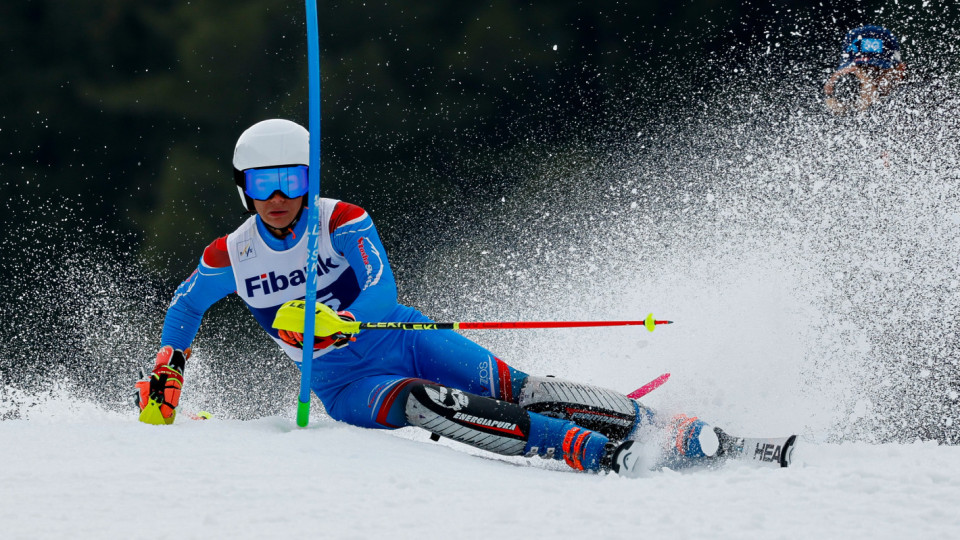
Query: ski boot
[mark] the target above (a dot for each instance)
(624, 458)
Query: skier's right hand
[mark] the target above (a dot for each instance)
(159, 393)
(336, 340)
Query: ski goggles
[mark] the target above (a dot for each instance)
(260, 184)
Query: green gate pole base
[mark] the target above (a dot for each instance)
(303, 413)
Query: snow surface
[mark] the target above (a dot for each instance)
(81, 472)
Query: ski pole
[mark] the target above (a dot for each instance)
(313, 206)
(291, 316)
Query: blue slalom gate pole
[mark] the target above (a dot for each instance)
(313, 212)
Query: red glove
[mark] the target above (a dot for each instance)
(337, 340)
(159, 393)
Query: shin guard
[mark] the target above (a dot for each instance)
(486, 423)
(605, 411)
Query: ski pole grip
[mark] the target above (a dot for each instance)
(327, 322)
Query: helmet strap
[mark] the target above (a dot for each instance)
(288, 229)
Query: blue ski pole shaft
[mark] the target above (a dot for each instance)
(313, 209)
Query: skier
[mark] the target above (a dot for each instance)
(436, 380)
(870, 68)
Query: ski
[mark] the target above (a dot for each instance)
(773, 452)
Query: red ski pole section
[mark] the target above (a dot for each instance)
(547, 324)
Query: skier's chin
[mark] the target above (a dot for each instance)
(279, 222)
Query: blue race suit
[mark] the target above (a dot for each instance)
(365, 383)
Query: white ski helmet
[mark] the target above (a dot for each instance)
(270, 143)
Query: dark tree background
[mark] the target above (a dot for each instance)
(119, 116)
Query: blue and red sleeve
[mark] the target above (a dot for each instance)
(211, 281)
(354, 235)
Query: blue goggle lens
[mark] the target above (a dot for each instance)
(262, 183)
